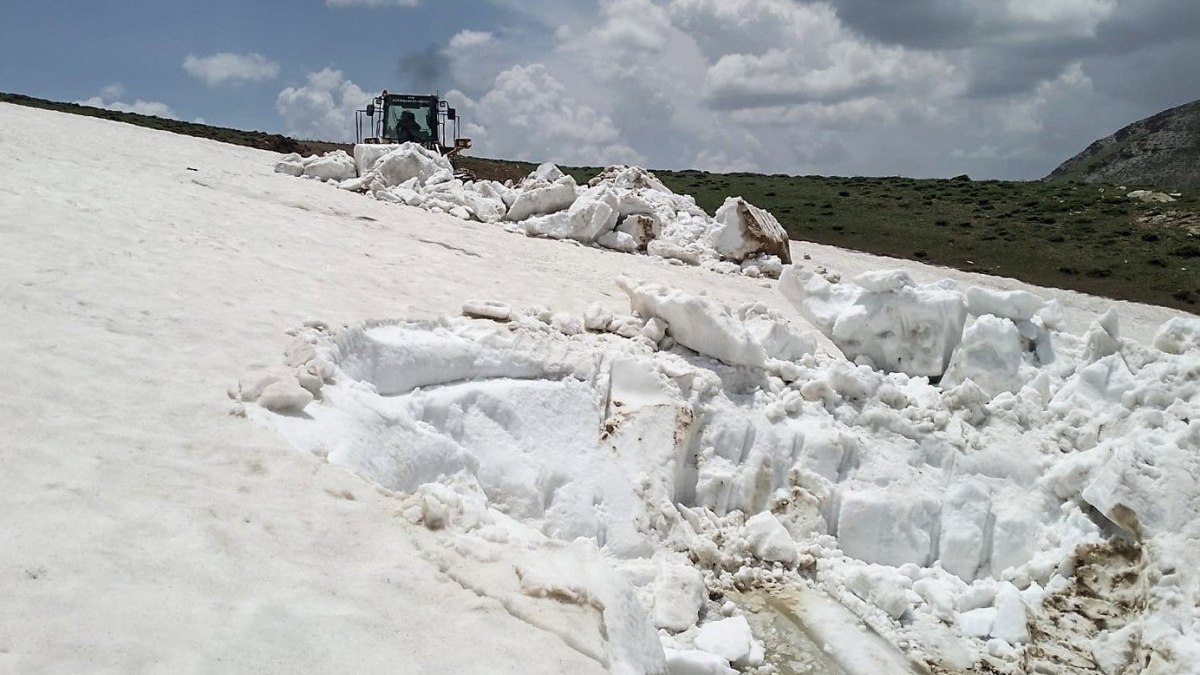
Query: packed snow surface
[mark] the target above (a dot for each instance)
(554, 482)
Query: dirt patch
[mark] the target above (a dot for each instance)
(1107, 592)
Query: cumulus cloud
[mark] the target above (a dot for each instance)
(322, 109)
(108, 99)
(528, 115)
(228, 68)
(994, 88)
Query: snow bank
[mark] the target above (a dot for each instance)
(696, 454)
(625, 209)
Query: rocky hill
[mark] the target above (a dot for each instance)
(1161, 151)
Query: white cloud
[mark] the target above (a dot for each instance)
(228, 68)
(323, 109)
(372, 3)
(468, 39)
(529, 115)
(933, 88)
(108, 96)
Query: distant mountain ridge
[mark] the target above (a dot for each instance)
(1161, 151)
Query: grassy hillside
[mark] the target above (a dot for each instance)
(1086, 237)
(1162, 150)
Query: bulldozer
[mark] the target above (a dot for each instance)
(411, 118)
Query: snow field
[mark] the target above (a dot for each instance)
(146, 530)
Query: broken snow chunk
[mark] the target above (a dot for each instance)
(730, 638)
(290, 167)
(629, 178)
(547, 172)
(881, 586)
(696, 662)
(976, 623)
(285, 396)
(617, 241)
(746, 230)
(597, 317)
(887, 526)
(1179, 335)
(252, 384)
(884, 281)
(897, 325)
(768, 539)
(487, 309)
(642, 228)
(1009, 623)
(555, 197)
(308, 379)
(670, 250)
(763, 266)
(655, 329)
(696, 323)
(566, 323)
(1014, 305)
(991, 354)
(336, 166)
(593, 213)
(678, 596)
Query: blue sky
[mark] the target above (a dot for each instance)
(71, 49)
(993, 88)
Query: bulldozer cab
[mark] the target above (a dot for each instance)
(411, 118)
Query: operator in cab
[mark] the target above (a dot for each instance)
(407, 129)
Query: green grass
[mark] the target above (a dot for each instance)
(1084, 237)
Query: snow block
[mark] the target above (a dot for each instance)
(335, 165)
(887, 526)
(729, 639)
(593, 213)
(642, 228)
(745, 230)
(285, 396)
(991, 355)
(768, 540)
(1179, 335)
(552, 198)
(696, 662)
(1009, 623)
(884, 316)
(1013, 305)
(696, 323)
(678, 596)
(289, 166)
